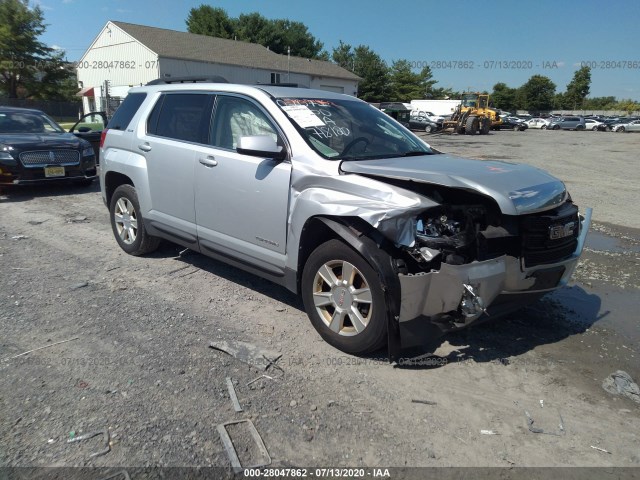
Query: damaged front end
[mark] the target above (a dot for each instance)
(498, 236)
(470, 262)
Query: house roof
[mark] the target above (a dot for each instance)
(203, 48)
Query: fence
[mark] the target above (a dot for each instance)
(57, 109)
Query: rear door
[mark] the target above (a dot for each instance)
(242, 201)
(178, 123)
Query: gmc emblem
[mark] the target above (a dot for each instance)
(561, 231)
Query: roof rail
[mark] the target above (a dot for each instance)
(294, 85)
(170, 80)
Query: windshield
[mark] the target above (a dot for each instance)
(27, 122)
(343, 129)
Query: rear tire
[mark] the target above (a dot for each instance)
(486, 126)
(127, 222)
(344, 299)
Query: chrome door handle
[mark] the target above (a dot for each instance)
(208, 162)
(145, 147)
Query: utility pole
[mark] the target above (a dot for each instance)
(288, 63)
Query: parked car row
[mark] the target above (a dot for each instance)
(626, 124)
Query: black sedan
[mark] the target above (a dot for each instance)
(34, 148)
(422, 123)
(511, 123)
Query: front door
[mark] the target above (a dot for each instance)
(242, 201)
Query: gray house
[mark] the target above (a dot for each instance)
(124, 55)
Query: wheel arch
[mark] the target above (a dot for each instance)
(113, 180)
(372, 246)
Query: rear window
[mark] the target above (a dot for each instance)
(126, 111)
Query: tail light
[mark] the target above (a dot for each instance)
(103, 135)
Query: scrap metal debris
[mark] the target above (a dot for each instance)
(19, 237)
(488, 432)
(621, 383)
(231, 451)
(425, 402)
(601, 449)
(248, 353)
(40, 348)
(533, 429)
(106, 438)
(234, 398)
(258, 378)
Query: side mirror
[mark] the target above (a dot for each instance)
(261, 146)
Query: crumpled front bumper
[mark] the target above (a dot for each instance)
(427, 300)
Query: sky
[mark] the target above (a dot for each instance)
(505, 41)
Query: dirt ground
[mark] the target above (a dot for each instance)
(138, 361)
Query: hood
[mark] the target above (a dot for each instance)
(42, 141)
(517, 189)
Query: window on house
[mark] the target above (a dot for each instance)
(275, 78)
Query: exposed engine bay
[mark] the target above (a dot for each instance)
(467, 252)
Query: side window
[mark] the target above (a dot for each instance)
(126, 111)
(182, 116)
(236, 117)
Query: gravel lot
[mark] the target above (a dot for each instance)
(140, 363)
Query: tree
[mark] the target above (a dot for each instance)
(343, 55)
(628, 105)
(504, 97)
(296, 36)
(27, 65)
(601, 103)
(537, 94)
(367, 64)
(427, 83)
(578, 88)
(405, 85)
(207, 20)
(280, 36)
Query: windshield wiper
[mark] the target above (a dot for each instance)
(415, 153)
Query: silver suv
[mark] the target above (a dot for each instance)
(387, 240)
(568, 123)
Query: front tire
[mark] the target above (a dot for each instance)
(471, 126)
(344, 299)
(127, 222)
(428, 129)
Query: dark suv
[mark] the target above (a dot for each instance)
(34, 148)
(568, 123)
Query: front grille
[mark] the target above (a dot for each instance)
(539, 248)
(42, 158)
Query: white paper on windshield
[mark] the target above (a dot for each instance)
(303, 116)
